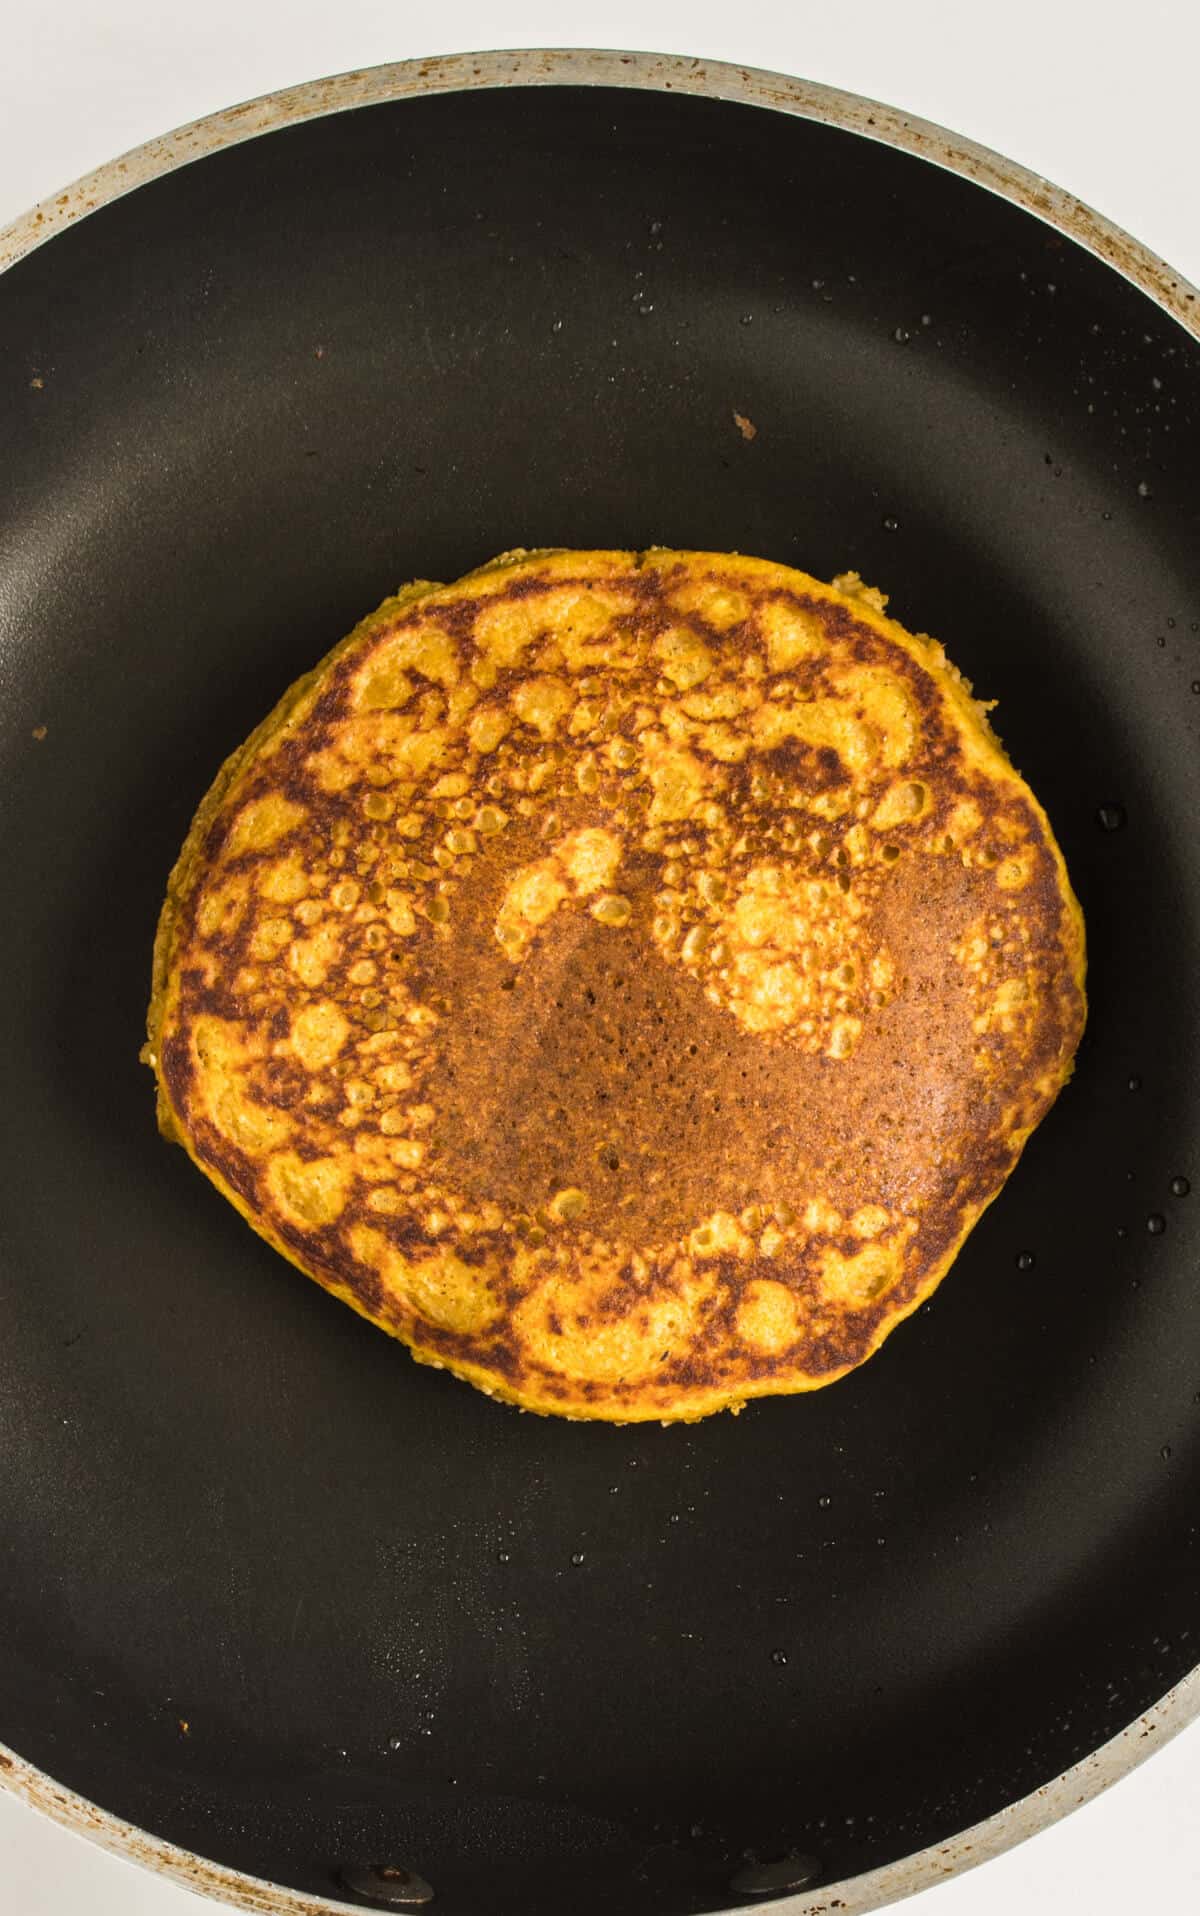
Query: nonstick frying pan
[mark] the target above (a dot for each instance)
(310, 1622)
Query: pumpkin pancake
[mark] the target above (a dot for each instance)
(623, 977)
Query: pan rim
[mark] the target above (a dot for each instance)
(855, 1896)
(1176, 297)
(590, 66)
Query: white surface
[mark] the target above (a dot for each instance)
(1100, 101)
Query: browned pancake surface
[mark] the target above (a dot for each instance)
(625, 977)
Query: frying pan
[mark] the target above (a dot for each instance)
(283, 1614)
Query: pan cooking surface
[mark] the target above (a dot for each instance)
(538, 1662)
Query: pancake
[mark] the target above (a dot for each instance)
(623, 977)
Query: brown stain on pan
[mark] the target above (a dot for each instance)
(624, 977)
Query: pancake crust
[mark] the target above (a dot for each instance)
(623, 977)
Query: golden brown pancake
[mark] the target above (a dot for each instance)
(624, 977)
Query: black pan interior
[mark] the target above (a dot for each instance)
(552, 1665)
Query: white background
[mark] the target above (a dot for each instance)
(1100, 99)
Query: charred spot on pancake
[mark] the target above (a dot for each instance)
(622, 977)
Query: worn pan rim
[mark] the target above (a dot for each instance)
(803, 99)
